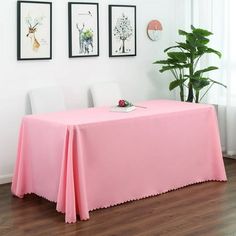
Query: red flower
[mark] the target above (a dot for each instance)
(122, 103)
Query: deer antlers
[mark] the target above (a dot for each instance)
(28, 22)
(77, 26)
(37, 21)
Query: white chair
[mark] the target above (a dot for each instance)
(48, 99)
(105, 94)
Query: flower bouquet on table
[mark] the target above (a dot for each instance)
(124, 106)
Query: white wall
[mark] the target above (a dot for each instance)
(138, 78)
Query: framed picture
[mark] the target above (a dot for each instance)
(83, 29)
(122, 30)
(34, 30)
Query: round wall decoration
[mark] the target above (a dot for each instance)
(154, 29)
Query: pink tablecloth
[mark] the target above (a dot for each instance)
(93, 158)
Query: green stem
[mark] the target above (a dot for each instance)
(196, 63)
(182, 93)
(206, 92)
(175, 74)
(197, 96)
(190, 86)
(182, 96)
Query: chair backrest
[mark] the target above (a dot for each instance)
(48, 99)
(105, 94)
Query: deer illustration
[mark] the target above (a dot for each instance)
(80, 37)
(85, 40)
(31, 35)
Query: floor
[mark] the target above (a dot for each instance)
(207, 209)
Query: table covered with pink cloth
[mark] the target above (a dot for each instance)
(94, 158)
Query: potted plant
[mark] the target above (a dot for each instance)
(183, 61)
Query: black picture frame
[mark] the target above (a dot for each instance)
(44, 44)
(78, 46)
(131, 25)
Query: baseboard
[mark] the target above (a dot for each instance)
(5, 179)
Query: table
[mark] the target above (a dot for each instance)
(93, 158)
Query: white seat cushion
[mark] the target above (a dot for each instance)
(48, 99)
(106, 94)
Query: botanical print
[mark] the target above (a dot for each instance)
(83, 28)
(34, 30)
(122, 30)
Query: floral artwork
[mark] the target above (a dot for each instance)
(83, 29)
(34, 30)
(122, 30)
